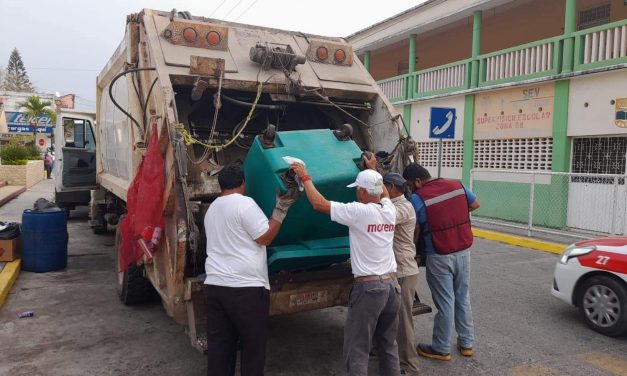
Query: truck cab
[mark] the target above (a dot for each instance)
(75, 159)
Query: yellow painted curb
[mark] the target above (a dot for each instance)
(7, 278)
(520, 241)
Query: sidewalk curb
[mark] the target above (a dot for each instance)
(8, 275)
(539, 245)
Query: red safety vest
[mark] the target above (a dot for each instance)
(448, 216)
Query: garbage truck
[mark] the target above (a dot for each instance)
(192, 94)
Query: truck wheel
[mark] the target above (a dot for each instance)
(602, 303)
(132, 286)
(99, 229)
(97, 215)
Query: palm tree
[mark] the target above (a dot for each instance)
(34, 107)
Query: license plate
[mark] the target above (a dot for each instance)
(306, 298)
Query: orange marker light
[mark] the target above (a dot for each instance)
(340, 56)
(213, 38)
(189, 35)
(322, 53)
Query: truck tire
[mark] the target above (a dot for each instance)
(132, 286)
(97, 214)
(100, 229)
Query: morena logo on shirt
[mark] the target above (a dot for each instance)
(381, 228)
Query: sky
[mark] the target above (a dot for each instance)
(64, 44)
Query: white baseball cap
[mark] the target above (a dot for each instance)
(368, 179)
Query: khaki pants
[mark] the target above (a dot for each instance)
(405, 337)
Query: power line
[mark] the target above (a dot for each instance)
(246, 10)
(232, 9)
(219, 6)
(64, 69)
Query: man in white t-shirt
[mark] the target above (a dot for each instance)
(237, 289)
(375, 297)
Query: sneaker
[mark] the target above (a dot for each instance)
(465, 351)
(428, 352)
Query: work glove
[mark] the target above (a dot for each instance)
(283, 203)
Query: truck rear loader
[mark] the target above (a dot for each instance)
(220, 92)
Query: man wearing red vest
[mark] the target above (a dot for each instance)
(443, 228)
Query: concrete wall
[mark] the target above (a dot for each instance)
(514, 24)
(384, 63)
(456, 40)
(504, 26)
(590, 108)
(27, 175)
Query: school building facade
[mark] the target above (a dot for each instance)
(507, 95)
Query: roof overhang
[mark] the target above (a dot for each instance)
(430, 15)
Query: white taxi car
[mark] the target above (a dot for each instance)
(592, 276)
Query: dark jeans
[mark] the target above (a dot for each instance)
(372, 316)
(232, 314)
(48, 171)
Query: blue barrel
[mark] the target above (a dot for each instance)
(44, 240)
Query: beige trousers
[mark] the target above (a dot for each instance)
(405, 336)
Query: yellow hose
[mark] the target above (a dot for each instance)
(190, 140)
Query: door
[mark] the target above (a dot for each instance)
(77, 162)
(598, 203)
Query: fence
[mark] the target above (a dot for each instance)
(442, 78)
(551, 202)
(394, 88)
(527, 60)
(601, 46)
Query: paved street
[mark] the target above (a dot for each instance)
(81, 328)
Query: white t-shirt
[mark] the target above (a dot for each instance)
(370, 234)
(234, 259)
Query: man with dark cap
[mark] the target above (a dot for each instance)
(236, 288)
(406, 270)
(442, 210)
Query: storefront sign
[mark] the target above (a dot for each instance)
(18, 122)
(525, 112)
(621, 113)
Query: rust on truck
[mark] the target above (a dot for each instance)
(178, 72)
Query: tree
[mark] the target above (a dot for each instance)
(16, 78)
(3, 73)
(34, 107)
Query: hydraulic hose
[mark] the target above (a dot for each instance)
(113, 81)
(247, 104)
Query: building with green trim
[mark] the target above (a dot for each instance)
(532, 86)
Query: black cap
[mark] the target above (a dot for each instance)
(394, 178)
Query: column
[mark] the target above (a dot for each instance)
(570, 23)
(561, 145)
(469, 144)
(411, 64)
(476, 48)
(367, 60)
(558, 189)
(469, 100)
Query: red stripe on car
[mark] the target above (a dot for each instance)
(613, 262)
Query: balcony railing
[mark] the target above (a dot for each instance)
(441, 79)
(601, 46)
(527, 61)
(596, 47)
(394, 88)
